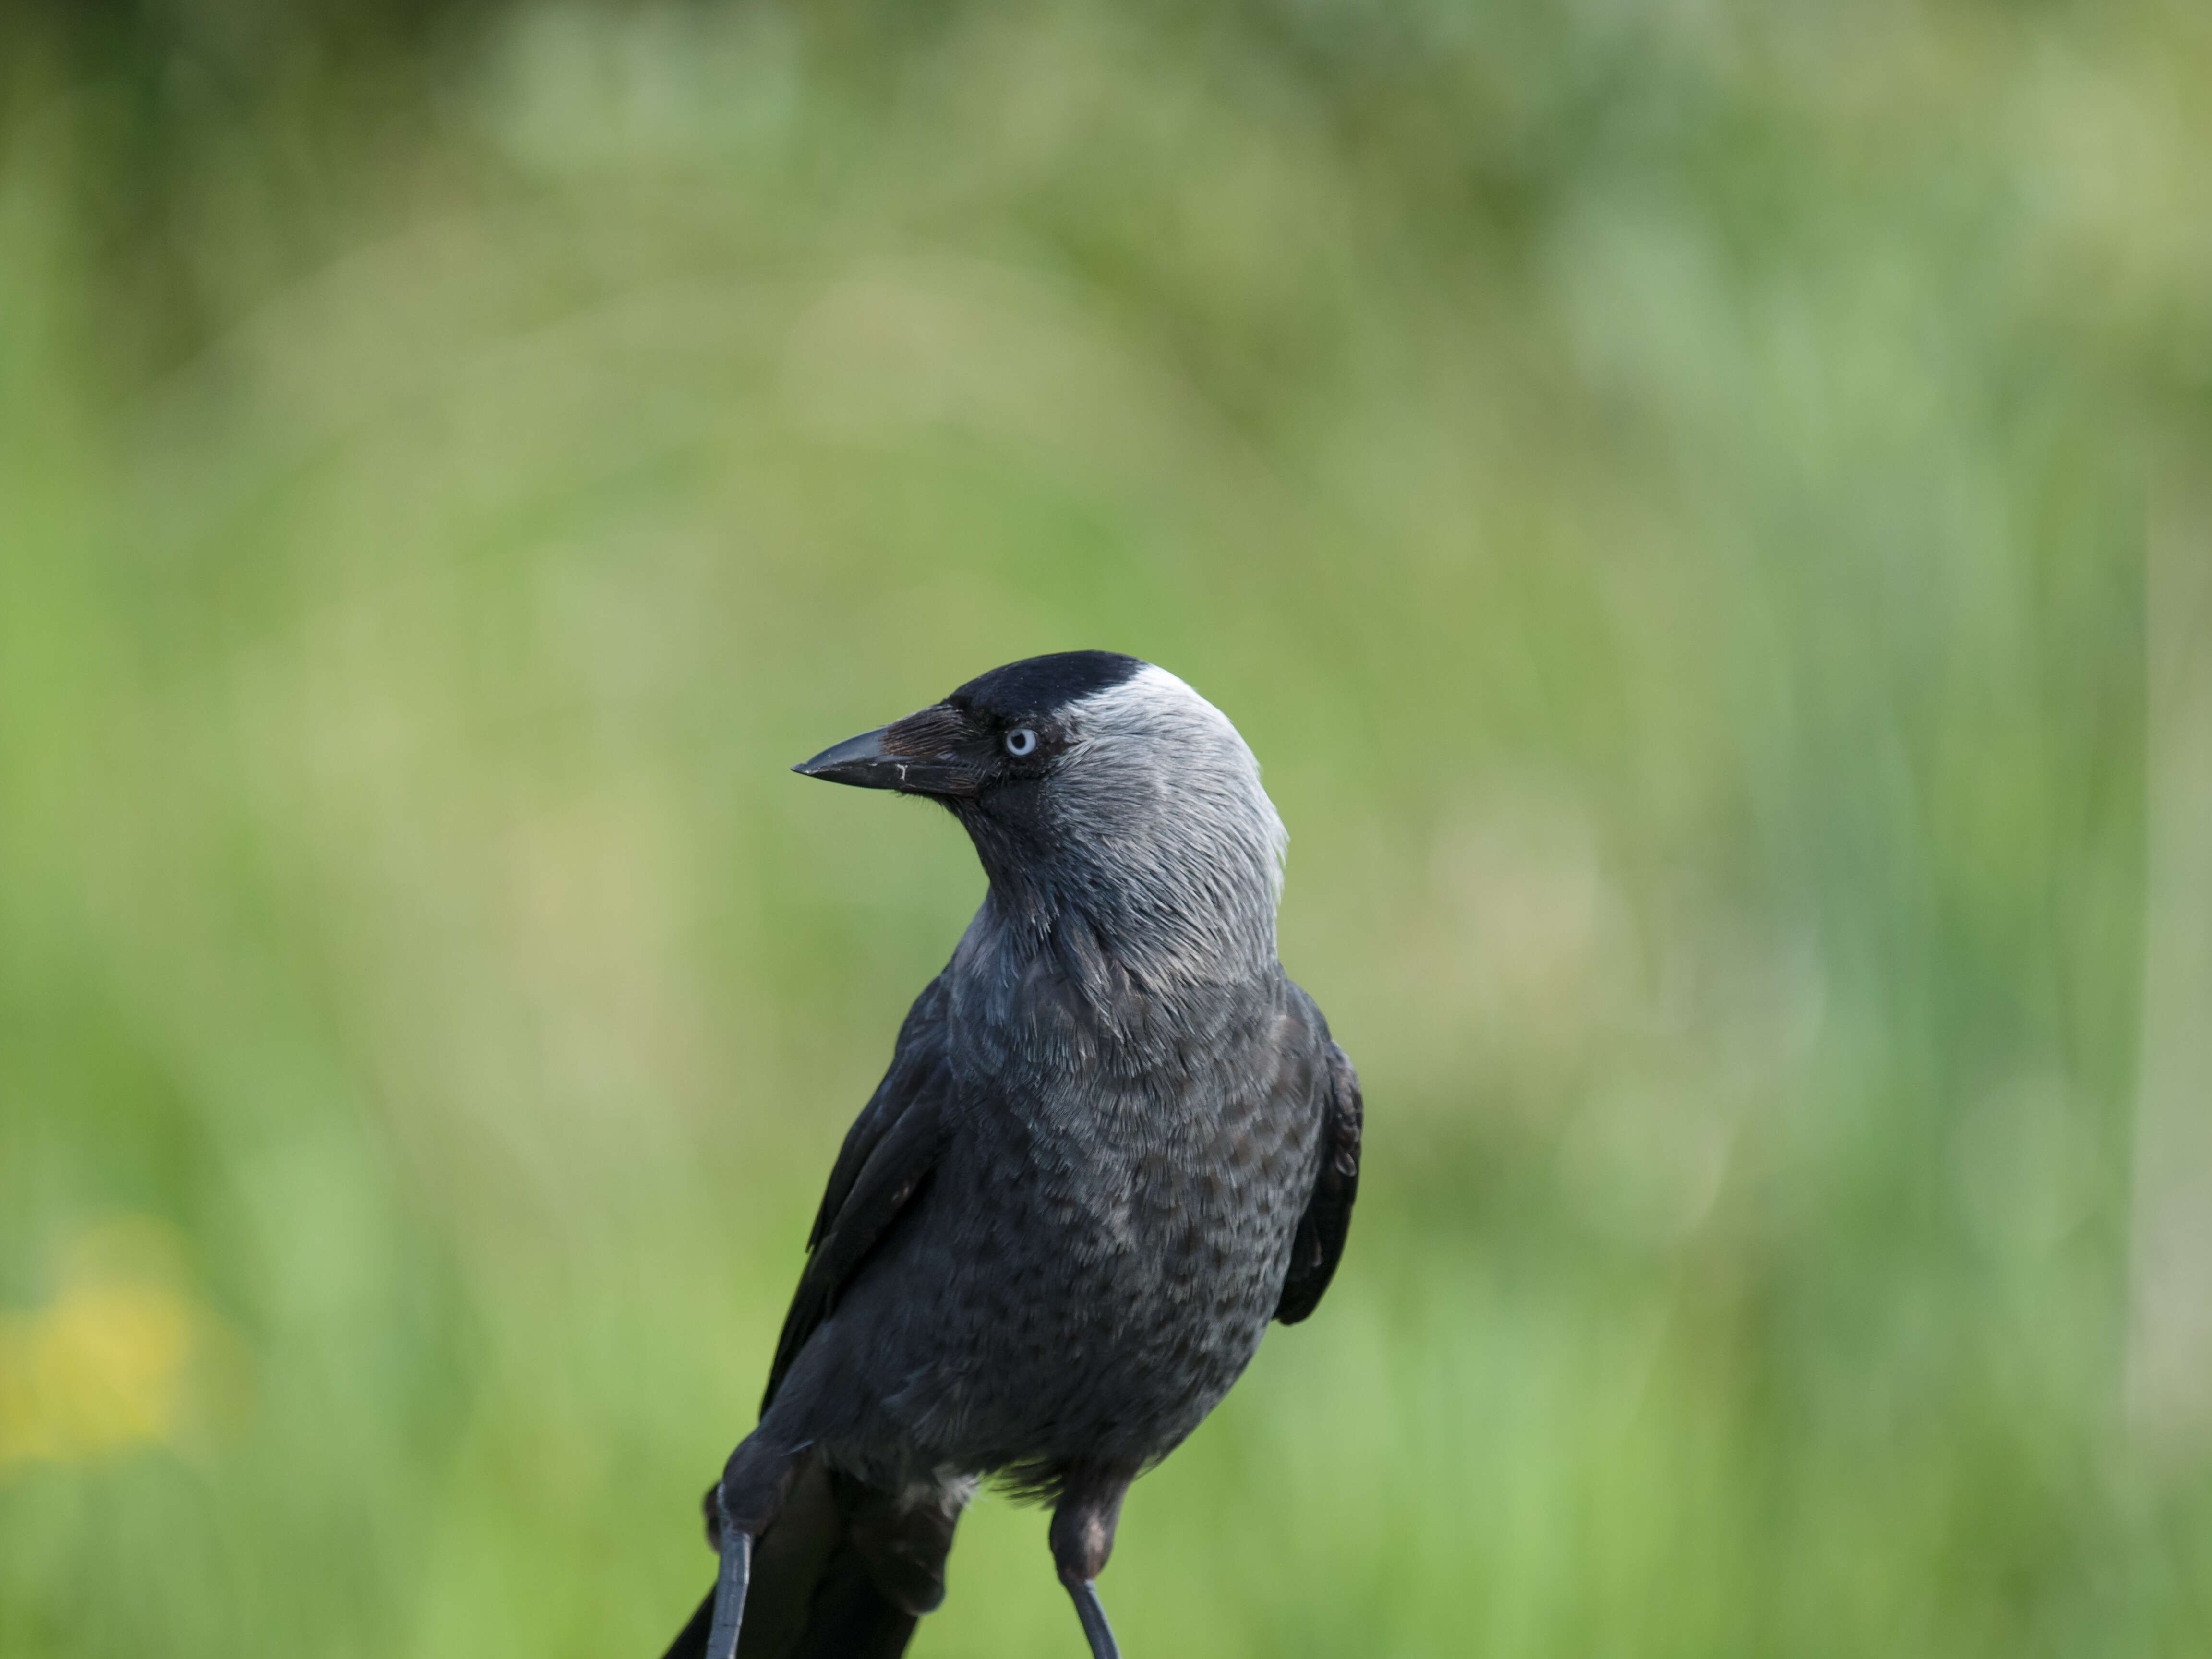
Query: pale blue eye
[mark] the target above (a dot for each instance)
(1021, 741)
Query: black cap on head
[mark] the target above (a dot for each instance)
(1037, 684)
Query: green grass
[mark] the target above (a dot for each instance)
(1663, 489)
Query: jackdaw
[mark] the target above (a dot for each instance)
(1114, 1142)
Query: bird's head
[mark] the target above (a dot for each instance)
(1100, 786)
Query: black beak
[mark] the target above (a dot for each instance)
(860, 761)
(914, 755)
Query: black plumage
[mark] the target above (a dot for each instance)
(1114, 1140)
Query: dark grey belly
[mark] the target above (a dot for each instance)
(1062, 1295)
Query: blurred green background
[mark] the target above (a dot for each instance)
(1687, 501)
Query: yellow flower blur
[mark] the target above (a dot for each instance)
(105, 1366)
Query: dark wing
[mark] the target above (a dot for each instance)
(1319, 1243)
(887, 1155)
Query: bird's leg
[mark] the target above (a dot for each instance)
(1096, 1630)
(1082, 1539)
(730, 1591)
(738, 1509)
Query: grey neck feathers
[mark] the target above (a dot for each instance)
(1159, 910)
(1154, 856)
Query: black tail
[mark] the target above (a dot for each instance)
(851, 1619)
(690, 1642)
(842, 1573)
